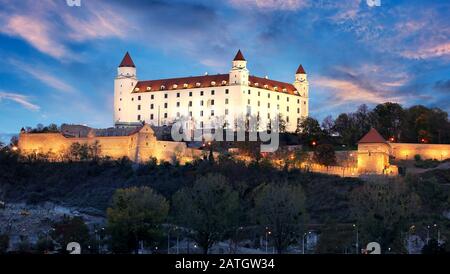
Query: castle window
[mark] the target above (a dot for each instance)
(259, 103)
(259, 93)
(185, 85)
(151, 116)
(151, 106)
(268, 95)
(248, 101)
(139, 117)
(120, 99)
(287, 108)
(178, 104)
(139, 107)
(212, 102)
(298, 110)
(212, 92)
(175, 86)
(268, 115)
(224, 82)
(149, 88)
(163, 87)
(165, 105)
(287, 98)
(152, 96)
(266, 86)
(304, 102)
(198, 84)
(284, 90)
(178, 114)
(201, 124)
(298, 120)
(256, 84)
(119, 109)
(201, 113)
(227, 91)
(201, 93)
(278, 107)
(166, 95)
(278, 97)
(139, 98)
(268, 105)
(190, 103)
(298, 101)
(190, 113)
(287, 119)
(132, 99)
(248, 92)
(190, 93)
(275, 88)
(165, 115)
(226, 101)
(201, 103)
(213, 83)
(226, 111)
(136, 89)
(212, 112)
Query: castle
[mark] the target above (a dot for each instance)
(204, 101)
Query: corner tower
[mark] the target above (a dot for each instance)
(239, 72)
(124, 83)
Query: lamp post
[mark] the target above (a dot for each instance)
(428, 233)
(303, 241)
(268, 232)
(357, 239)
(438, 233)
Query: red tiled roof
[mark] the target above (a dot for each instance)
(207, 81)
(300, 70)
(127, 61)
(372, 137)
(239, 56)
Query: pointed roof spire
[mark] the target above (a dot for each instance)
(239, 56)
(300, 70)
(127, 61)
(373, 136)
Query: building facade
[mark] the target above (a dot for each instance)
(209, 101)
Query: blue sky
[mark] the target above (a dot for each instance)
(58, 62)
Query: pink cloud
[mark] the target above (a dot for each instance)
(20, 99)
(270, 4)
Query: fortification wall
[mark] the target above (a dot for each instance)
(404, 151)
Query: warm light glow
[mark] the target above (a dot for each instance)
(314, 143)
(14, 148)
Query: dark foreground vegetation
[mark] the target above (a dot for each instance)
(224, 199)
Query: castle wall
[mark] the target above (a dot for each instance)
(139, 147)
(404, 151)
(373, 158)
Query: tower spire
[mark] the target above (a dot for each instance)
(239, 56)
(127, 61)
(300, 70)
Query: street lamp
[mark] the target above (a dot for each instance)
(357, 238)
(268, 232)
(438, 233)
(428, 233)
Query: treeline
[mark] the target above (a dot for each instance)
(416, 124)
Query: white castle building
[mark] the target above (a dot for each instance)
(204, 101)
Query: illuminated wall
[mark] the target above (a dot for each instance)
(139, 146)
(403, 151)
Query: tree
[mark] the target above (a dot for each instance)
(135, 215)
(71, 229)
(309, 130)
(433, 247)
(335, 239)
(383, 210)
(325, 155)
(210, 208)
(388, 119)
(328, 125)
(4, 243)
(281, 208)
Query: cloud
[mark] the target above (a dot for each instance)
(20, 99)
(36, 32)
(52, 28)
(427, 52)
(270, 5)
(42, 76)
(443, 85)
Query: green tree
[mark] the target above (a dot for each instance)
(309, 130)
(324, 155)
(210, 208)
(135, 215)
(335, 239)
(281, 208)
(4, 243)
(383, 210)
(389, 119)
(71, 229)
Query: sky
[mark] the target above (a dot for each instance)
(59, 62)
